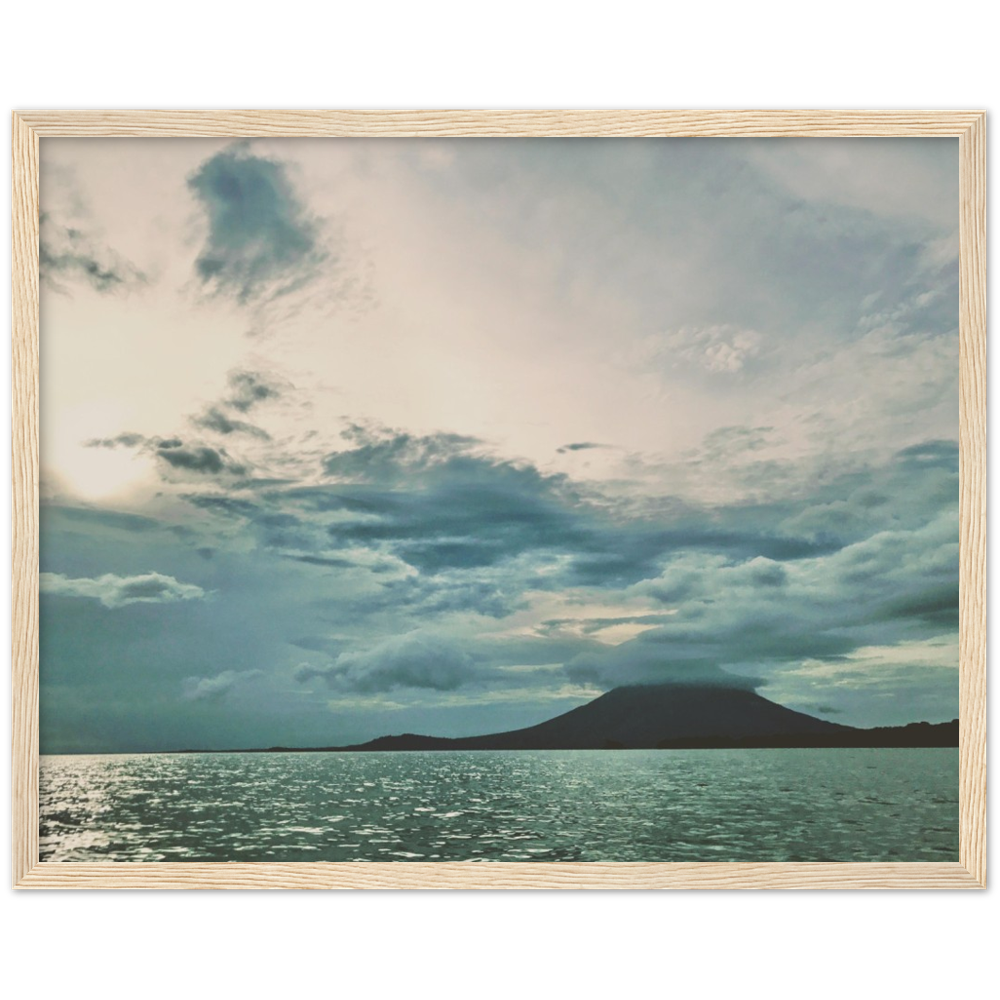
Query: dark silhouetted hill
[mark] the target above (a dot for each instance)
(672, 716)
(675, 716)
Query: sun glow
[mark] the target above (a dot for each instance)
(88, 472)
(97, 473)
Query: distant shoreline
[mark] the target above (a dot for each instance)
(915, 736)
(692, 745)
(659, 717)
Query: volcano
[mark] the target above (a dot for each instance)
(677, 716)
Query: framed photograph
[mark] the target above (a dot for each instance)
(550, 499)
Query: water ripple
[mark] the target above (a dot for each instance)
(684, 805)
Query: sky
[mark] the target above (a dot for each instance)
(346, 437)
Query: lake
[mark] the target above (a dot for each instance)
(546, 805)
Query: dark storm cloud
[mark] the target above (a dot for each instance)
(213, 419)
(66, 253)
(463, 509)
(456, 524)
(442, 506)
(261, 241)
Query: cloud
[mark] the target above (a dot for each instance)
(579, 446)
(930, 454)
(728, 444)
(193, 458)
(723, 349)
(213, 419)
(872, 686)
(198, 459)
(637, 663)
(67, 253)
(214, 688)
(95, 517)
(220, 502)
(335, 562)
(457, 508)
(261, 242)
(460, 512)
(119, 591)
(414, 660)
(248, 388)
(439, 527)
(381, 454)
(442, 505)
(764, 617)
(126, 440)
(491, 592)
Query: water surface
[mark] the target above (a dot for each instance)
(574, 805)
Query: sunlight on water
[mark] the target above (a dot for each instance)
(641, 805)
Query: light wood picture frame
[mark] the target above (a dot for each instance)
(31, 126)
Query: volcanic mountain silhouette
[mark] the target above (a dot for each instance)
(673, 715)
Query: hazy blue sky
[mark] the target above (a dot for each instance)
(350, 437)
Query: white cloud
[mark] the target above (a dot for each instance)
(722, 348)
(118, 591)
(206, 688)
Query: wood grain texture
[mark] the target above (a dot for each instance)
(24, 470)
(498, 875)
(498, 123)
(969, 872)
(972, 498)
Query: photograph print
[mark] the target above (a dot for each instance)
(500, 500)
